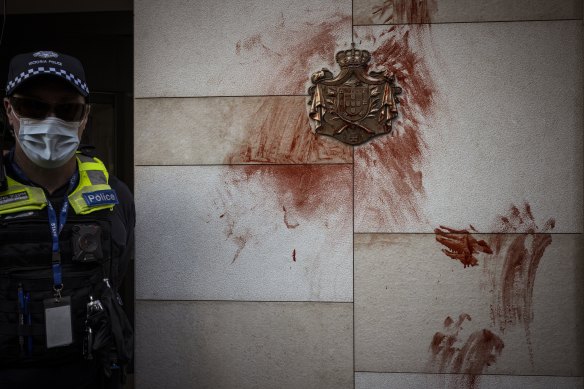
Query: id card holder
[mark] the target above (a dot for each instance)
(58, 325)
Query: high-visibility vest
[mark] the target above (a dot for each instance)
(92, 193)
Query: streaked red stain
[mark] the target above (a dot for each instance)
(239, 236)
(304, 192)
(513, 268)
(461, 245)
(279, 132)
(511, 271)
(304, 189)
(289, 224)
(406, 11)
(295, 50)
(479, 351)
(294, 255)
(388, 170)
(313, 42)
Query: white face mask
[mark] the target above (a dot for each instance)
(48, 143)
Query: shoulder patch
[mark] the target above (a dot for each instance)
(13, 197)
(101, 197)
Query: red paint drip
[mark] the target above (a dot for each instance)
(388, 176)
(461, 245)
(294, 255)
(406, 11)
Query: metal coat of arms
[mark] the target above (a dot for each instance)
(354, 106)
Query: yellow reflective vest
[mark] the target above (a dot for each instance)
(92, 193)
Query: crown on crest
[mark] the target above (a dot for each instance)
(352, 57)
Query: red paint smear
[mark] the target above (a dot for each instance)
(461, 245)
(513, 269)
(303, 46)
(478, 352)
(388, 178)
(406, 11)
(250, 43)
(279, 132)
(304, 192)
(294, 255)
(240, 238)
(315, 41)
(289, 224)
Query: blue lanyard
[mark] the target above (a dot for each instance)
(55, 224)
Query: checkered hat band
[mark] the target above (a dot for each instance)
(47, 70)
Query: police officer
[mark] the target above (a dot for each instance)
(66, 236)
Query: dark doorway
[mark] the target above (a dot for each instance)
(103, 41)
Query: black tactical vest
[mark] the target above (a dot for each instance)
(88, 255)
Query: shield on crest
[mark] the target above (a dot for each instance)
(353, 102)
(354, 106)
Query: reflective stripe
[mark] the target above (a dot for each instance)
(13, 200)
(96, 177)
(93, 177)
(84, 158)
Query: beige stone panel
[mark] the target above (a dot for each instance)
(254, 232)
(229, 345)
(490, 118)
(522, 312)
(217, 130)
(447, 11)
(454, 381)
(235, 48)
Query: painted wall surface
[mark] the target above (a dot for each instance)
(448, 254)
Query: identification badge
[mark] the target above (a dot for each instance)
(58, 325)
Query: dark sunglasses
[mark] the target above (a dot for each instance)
(37, 109)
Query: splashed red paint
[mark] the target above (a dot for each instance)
(303, 192)
(461, 245)
(305, 189)
(317, 41)
(512, 270)
(405, 11)
(388, 176)
(252, 42)
(302, 47)
(279, 132)
(478, 352)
